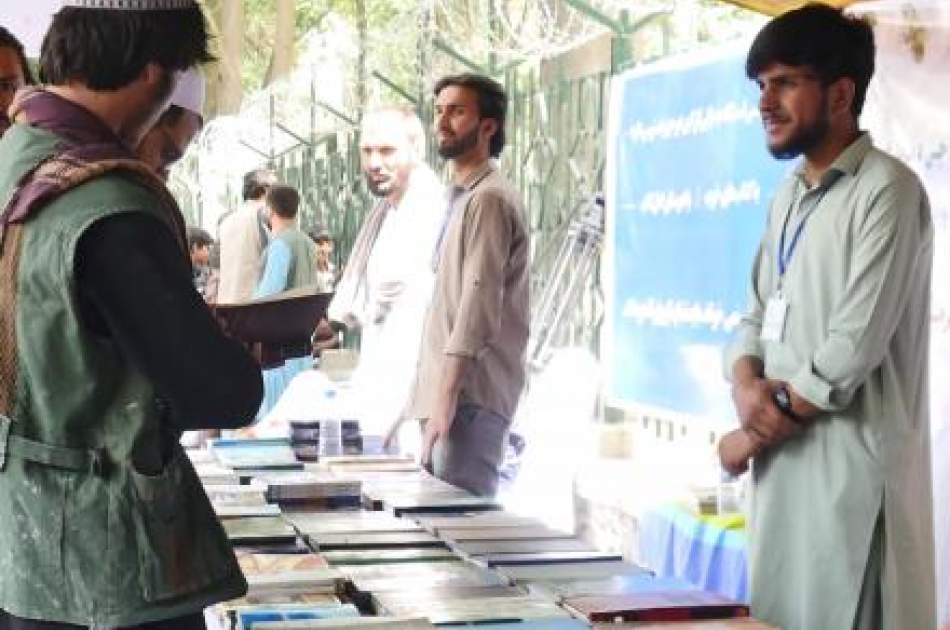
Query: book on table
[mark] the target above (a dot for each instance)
(480, 609)
(740, 623)
(387, 556)
(570, 571)
(546, 558)
(533, 532)
(255, 454)
(675, 605)
(352, 623)
(259, 529)
(489, 547)
(338, 541)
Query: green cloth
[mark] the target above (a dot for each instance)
(855, 345)
(303, 262)
(85, 537)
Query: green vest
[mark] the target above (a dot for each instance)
(303, 264)
(85, 537)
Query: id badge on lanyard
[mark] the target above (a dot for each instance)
(776, 312)
(776, 309)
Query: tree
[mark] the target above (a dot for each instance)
(284, 43)
(225, 90)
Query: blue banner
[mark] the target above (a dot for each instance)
(689, 183)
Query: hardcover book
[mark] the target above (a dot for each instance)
(570, 571)
(256, 454)
(316, 523)
(723, 624)
(350, 623)
(477, 520)
(677, 605)
(547, 558)
(488, 547)
(388, 556)
(502, 533)
(373, 540)
(488, 609)
(245, 511)
(259, 529)
(261, 563)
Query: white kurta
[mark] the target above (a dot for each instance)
(241, 252)
(855, 345)
(392, 324)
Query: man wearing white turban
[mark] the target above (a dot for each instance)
(167, 140)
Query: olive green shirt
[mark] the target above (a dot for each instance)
(479, 308)
(855, 345)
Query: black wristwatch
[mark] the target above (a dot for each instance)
(783, 400)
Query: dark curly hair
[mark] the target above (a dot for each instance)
(822, 38)
(107, 49)
(492, 102)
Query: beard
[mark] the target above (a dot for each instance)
(804, 138)
(380, 188)
(802, 141)
(458, 145)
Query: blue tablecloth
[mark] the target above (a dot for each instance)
(675, 543)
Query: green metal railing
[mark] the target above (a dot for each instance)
(555, 154)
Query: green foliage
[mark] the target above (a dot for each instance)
(389, 42)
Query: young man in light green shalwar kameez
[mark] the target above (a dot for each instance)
(830, 364)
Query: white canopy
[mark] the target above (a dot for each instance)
(28, 21)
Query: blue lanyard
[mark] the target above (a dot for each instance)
(785, 257)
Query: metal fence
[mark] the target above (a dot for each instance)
(555, 154)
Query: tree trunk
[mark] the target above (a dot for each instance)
(285, 37)
(362, 31)
(230, 20)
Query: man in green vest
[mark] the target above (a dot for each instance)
(290, 262)
(107, 353)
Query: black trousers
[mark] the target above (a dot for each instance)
(194, 621)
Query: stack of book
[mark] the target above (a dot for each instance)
(351, 437)
(615, 585)
(499, 539)
(367, 464)
(721, 624)
(475, 520)
(280, 582)
(351, 623)
(259, 530)
(447, 610)
(569, 571)
(656, 606)
(305, 440)
(214, 474)
(253, 617)
(235, 501)
(318, 489)
(345, 557)
(255, 454)
(419, 577)
(374, 540)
